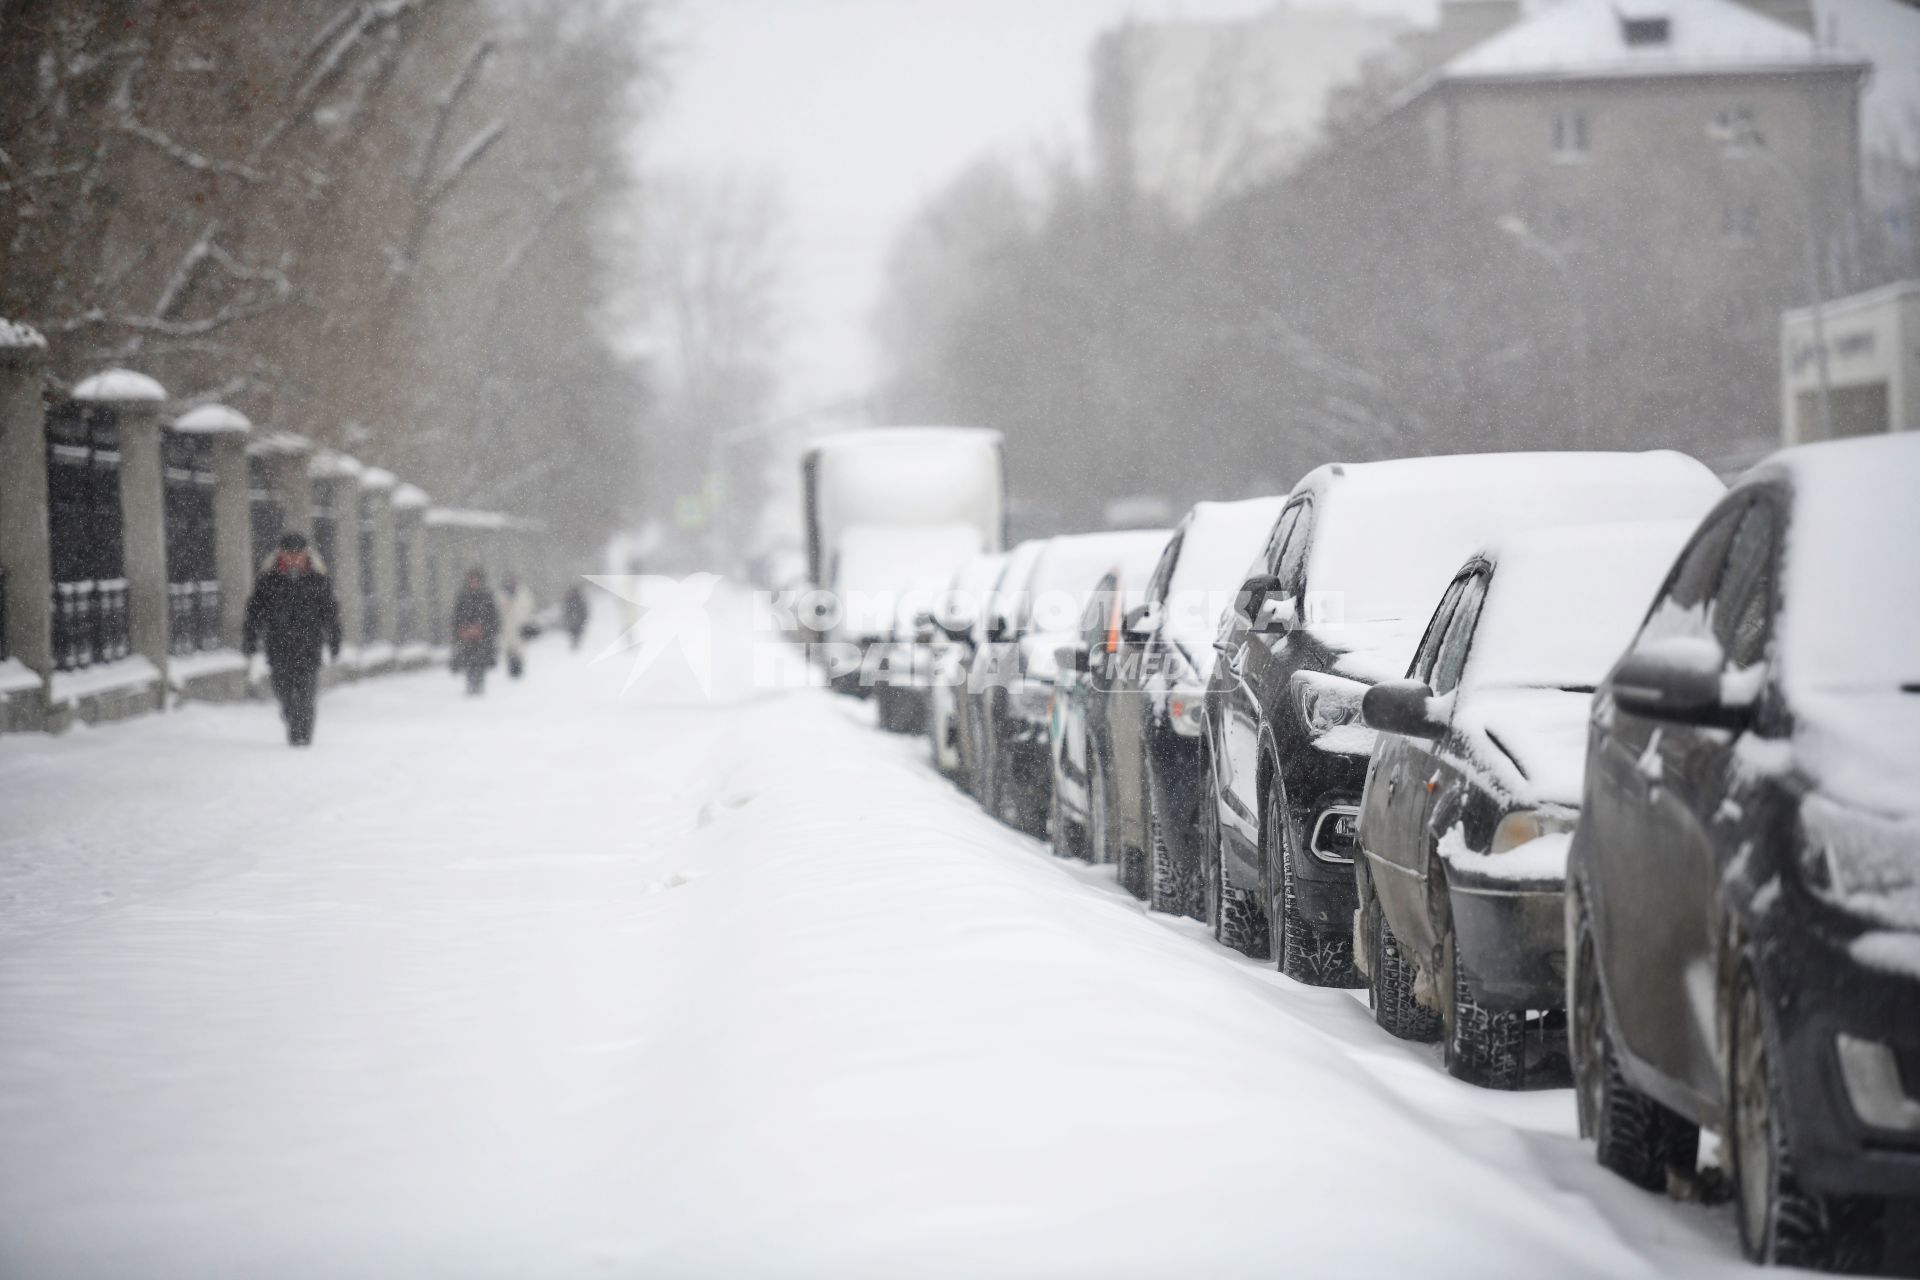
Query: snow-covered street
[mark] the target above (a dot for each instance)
(563, 982)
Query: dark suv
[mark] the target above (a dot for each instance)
(1743, 905)
(1348, 579)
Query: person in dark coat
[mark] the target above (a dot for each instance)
(573, 614)
(293, 613)
(476, 630)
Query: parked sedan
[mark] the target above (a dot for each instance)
(1158, 692)
(1475, 785)
(989, 653)
(955, 617)
(1743, 906)
(1043, 616)
(1077, 715)
(1335, 606)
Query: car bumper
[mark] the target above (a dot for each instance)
(1511, 940)
(1820, 990)
(1323, 886)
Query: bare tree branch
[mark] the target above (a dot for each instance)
(446, 102)
(185, 155)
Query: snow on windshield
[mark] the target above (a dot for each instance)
(1392, 534)
(1069, 568)
(1852, 589)
(1563, 604)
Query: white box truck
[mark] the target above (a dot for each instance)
(889, 509)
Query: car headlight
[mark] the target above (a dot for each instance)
(1524, 826)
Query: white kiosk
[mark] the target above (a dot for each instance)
(1873, 365)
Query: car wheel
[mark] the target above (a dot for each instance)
(1634, 1136)
(1098, 850)
(1210, 872)
(1782, 1224)
(1301, 951)
(1069, 837)
(1391, 977)
(1483, 1046)
(1164, 881)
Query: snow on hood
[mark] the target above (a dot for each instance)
(1220, 542)
(1538, 741)
(876, 566)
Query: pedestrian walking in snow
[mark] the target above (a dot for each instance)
(573, 614)
(476, 630)
(516, 624)
(293, 614)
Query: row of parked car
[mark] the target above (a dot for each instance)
(1539, 748)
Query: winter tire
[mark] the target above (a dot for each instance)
(1069, 837)
(1781, 1224)
(1390, 980)
(1165, 892)
(1634, 1136)
(1099, 850)
(1483, 1046)
(1301, 951)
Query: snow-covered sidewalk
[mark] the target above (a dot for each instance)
(559, 982)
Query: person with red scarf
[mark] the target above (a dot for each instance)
(292, 611)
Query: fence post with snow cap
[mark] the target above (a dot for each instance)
(134, 403)
(336, 535)
(380, 592)
(26, 566)
(226, 433)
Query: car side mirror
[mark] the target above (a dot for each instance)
(1404, 707)
(1677, 680)
(1141, 624)
(1073, 657)
(1277, 615)
(1253, 596)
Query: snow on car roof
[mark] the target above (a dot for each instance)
(1389, 536)
(1563, 604)
(1069, 567)
(1581, 39)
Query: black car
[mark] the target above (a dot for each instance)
(1154, 787)
(1347, 579)
(1743, 906)
(1475, 786)
(1043, 614)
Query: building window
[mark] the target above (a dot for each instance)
(1571, 136)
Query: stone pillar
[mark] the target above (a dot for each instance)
(289, 463)
(136, 402)
(346, 557)
(386, 594)
(228, 431)
(25, 552)
(410, 505)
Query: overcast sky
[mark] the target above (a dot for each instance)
(859, 109)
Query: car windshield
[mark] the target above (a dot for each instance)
(1563, 604)
(1851, 607)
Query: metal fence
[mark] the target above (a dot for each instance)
(89, 623)
(193, 617)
